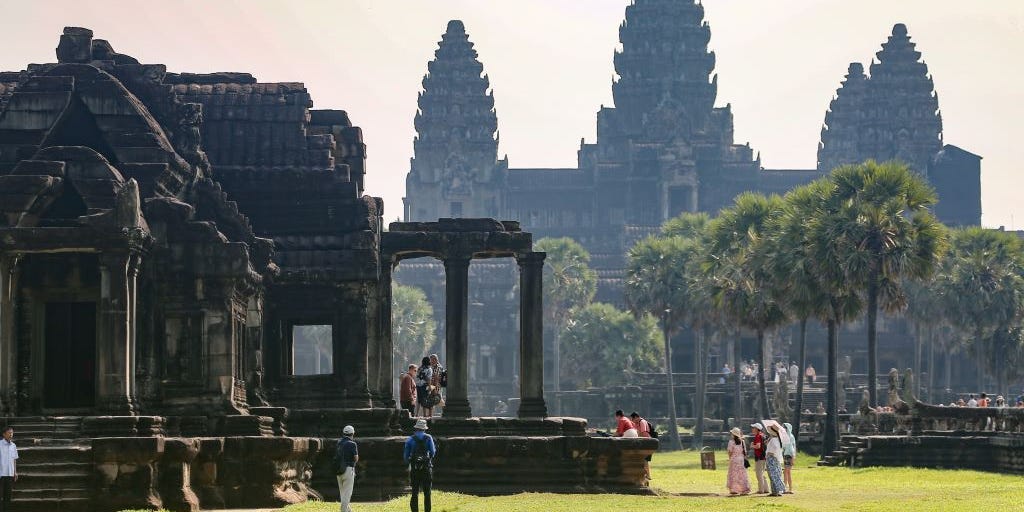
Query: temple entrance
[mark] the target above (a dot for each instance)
(69, 355)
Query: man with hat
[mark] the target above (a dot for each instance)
(758, 444)
(419, 455)
(345, 459)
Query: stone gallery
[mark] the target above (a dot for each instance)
(196, 292)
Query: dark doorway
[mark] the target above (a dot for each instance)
(70, 355)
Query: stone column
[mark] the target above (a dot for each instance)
(386, 376)
(113, 345)
(8, 323)
(531, 335)
(456, 327)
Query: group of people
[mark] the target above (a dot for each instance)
(420, 389)
(418, 454)
(635, 426)
(748, 372)
(774, 451)
(983, 400)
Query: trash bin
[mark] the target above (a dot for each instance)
(707, 458)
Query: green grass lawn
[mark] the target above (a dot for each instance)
(682, 485)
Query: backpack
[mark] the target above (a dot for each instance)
(338, 463)
(651, 429)
(419, 461)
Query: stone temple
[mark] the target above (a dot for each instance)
(195, 291)
(663, 149)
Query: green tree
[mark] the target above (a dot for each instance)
(413, 328)
(569, 283)
(602, 343)
(983, 289)
(740, 277)
(889, 235)
(658, 284)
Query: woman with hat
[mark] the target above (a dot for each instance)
(774, 460)
(788, 455)
(737, 480)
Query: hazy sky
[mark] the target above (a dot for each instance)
(550, 64)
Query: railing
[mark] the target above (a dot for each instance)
(967, 419)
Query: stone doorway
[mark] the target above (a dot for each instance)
(69, 355)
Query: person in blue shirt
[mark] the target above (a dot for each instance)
(345, 459)
(419, 455)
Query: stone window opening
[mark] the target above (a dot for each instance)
(312, 350)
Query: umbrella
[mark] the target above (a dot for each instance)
(783, 435)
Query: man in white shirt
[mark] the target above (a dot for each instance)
(8, 468)
(972, 402)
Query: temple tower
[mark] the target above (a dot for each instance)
(840, 136)
(455, 171)
(664, 69)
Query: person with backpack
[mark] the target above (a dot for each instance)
(345, 458)
(419, 455)
(644, 429)
(424, 376)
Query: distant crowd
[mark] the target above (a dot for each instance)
(983, 400)
(749, 369)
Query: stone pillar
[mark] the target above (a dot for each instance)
(113, 343)
(531, 335)
(386, 376)
(456, 328)
(8, 323)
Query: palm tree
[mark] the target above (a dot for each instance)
(569, 283)
(984, 291)
(657, 284)
(891, 234)
(740, 279)
(788, 258)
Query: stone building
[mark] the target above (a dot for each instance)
(664, 148)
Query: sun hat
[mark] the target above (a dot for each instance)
(757, 426)
(736, 432)
(421, 424)
(348, 430)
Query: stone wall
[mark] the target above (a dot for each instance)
(999, 453)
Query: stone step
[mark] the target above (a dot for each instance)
(65, 479)
(52, 504)
(59, 495)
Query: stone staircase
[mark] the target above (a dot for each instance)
(851, 447)
(40, 427)
(57, 475)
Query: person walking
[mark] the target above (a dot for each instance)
(643, 429)
(439, 380)
(774, 461)
(419, 456)
(8, 469)
(345, 458)
(423, 378)
(407, 390)
(758, 444)
(737, 480)
(788, 457)
(810, 374)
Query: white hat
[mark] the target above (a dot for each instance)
(421, 424)
(757, 426)
(348, 430)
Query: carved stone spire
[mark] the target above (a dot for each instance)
(664, 66)
(840, 136)
(456, 147)
(903, 110)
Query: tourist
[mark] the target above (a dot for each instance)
(774, 461)
(407, 390)
(419, 456)
(960, 402)
(346, 456)
(794, 373)
(788, 456)
(983, 400)
(972, 402)
(810, 374)
(737, 480)
(744, 371)
(8, 468)
(439, 380)
(423, 378)
(1000, 402)
(624, 427)
(758, 444)
(643, 428)
(820, 409)
(726, 372)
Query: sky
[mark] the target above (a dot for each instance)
(550, 66)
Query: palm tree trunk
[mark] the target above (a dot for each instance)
(947, 374)
(872, 294)
(698, 431)
(931, 364)
(763, 391)
(673, 427)
(556, 366)
(737, 356)
(800, 379)
(918, 347)
(831, 434)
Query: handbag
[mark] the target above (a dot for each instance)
(746, 463)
